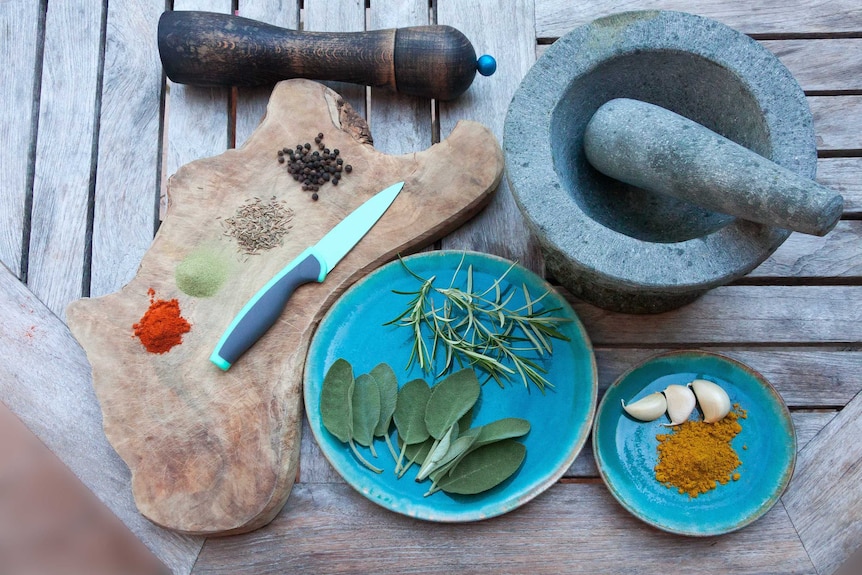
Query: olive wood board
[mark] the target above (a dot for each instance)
(213, 452)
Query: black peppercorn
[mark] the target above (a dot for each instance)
(348, 168)
(314, 196)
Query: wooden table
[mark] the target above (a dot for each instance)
(90, 130)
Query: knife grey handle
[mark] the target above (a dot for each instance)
(265, 307)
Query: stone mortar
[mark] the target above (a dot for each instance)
(621, 247)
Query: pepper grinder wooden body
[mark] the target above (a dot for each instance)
(210, 49)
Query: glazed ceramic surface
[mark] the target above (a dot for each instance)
(560, 419)
(626, 453)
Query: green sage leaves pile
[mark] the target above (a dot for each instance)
(432, 427)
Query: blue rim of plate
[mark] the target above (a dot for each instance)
(352, 329)
(625, 449)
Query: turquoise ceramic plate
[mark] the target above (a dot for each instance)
(560, 419)
(626, 454)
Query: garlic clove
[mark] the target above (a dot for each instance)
(713, 400)
(680, 403)
(648, 408)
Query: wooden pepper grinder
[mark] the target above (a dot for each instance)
(210, 49)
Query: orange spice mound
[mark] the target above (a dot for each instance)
(161, 327)
(697, 456)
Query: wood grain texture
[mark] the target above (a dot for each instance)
(806, 423)
(216, 452)
(739, 315)
(19, 45)
(197, 118)
(802, 256)
(46, 382)
(821, 65)
(824, 65)
(64, 152)
(339, 16)
(400, 124)
(127, 189)
(803, 377)
(251, 102)
(845, 176)
(837, 122)
(556, 17)
(512, 42)
(823, 496)
(571, 528)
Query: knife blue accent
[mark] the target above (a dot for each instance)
(313, 264)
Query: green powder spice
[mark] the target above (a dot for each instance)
(202, 273)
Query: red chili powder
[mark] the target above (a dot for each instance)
(161, 327)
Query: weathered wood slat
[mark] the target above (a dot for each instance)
(339, 16)
(64, 152)
(45, 381)
(316, 469)
(128, 182)
(19, 47)
(251, 102)
(803, 377)
(823, 65)
(738, 315)
(836, 255)
(823, 497)
(807, 424)
(400, 124)
(845, 176)
(556, 17)
(837, 122)
(332, 529)
(197, 123)
(511, 41)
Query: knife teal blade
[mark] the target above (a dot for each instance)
(313, 264)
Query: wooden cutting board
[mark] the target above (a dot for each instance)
(215, 452)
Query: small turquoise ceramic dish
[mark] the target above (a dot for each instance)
(561, 418)
(626, 455)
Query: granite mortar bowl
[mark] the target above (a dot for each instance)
(618, 246)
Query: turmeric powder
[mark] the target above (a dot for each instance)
(697, 456)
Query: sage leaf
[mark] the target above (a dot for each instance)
(506, 428)
(456, 450)
(450, 400)
(484, 468)
(336, 404)
(409, 412)
(366, 409)
(438, 452)
(387, 385)
(409, 415)
(415, 453)
(467, 419)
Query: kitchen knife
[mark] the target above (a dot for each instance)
(313, 264)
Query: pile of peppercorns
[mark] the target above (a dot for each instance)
(315, 168)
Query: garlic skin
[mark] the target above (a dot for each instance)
(648, 408)
(713, 400)
(680, 403)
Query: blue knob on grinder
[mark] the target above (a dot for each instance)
(486, 65)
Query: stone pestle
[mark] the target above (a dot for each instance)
(653, 148)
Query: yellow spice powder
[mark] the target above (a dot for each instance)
(697, 456)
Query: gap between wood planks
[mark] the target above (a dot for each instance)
(31, 152)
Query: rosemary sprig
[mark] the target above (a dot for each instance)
(480, 328)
